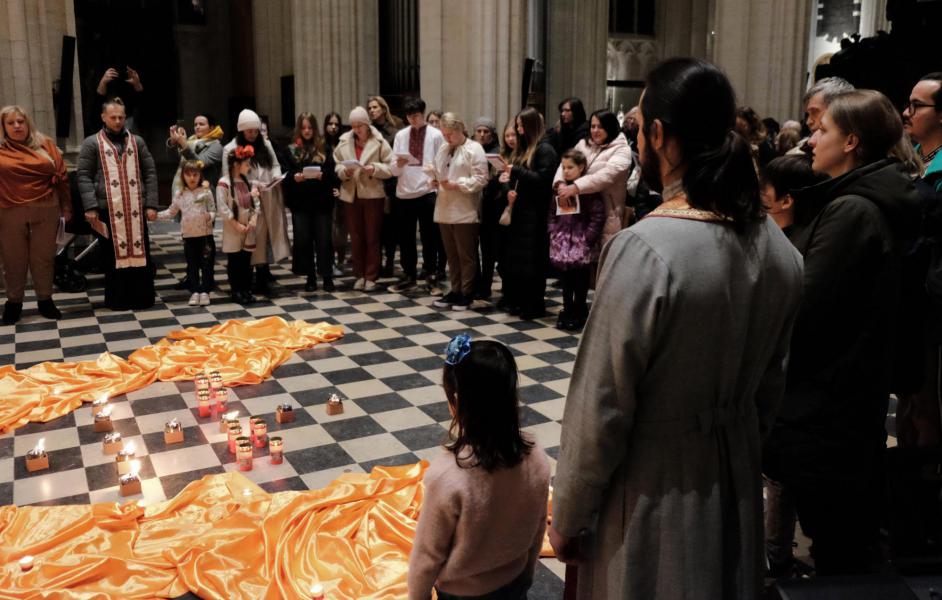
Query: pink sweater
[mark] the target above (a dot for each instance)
(477, 530)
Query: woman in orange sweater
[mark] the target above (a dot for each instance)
(34, 193)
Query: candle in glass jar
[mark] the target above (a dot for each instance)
(221, 397)
(202, 382)
(276, 449)
(205, 402)
(260, 432)
(124, 458)
(235, 432)
(317, 592)
(228, 420)
(244, 455)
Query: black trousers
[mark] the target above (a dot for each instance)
(388, 235)
(490, 246)
(200, 254)
(239, 270)
(411, 211)
(313, 236)
(515, 590)
(575, 291)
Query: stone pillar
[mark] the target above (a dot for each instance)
(576, 54)
(274, 57)
(763, 47)
(873, 17)
(336, 54)
(471, 56)
(31, 34)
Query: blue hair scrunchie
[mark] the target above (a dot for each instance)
(457, 349)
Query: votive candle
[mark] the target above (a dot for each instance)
(276, 449)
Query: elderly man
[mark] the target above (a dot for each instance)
(816, 102)
(118, 183)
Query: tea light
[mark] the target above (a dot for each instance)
(103, 420)
(260, 432)
(244, 455)
(227, 420)
(221, 397)
(173, 432)
(112, 443)
(26, 563)
(276, 449)
(205, 402)
(334, 405)
(130, 484)
(235, 432)
(317, 592)
(124, 458)
(284, 413)
(37, 459)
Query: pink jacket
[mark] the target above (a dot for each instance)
(609, 168)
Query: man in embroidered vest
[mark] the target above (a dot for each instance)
(118, 183)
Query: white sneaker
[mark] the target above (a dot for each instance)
(359, 284)
(369, 286)
(204, 299)
(338, 272)
(194, 299)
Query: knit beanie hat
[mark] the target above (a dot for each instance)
(486, 122)
(359, 115)
(249, 119)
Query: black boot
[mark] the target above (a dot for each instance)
(11, 312)
(329, 284)
(47, 308)
(262, 280)
(311, 285)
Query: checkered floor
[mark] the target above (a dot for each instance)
(387, 367)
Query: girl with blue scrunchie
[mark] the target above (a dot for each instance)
(483, 515)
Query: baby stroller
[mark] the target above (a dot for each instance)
(69, 272)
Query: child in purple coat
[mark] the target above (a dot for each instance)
(575, 226)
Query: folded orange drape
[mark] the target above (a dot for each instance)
(223, 537)
(243, 353)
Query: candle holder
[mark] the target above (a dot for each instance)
(284, 414)
(103, 421)
(112, 444)
(129, 485)
(259, 432)
(99, 403)
(205, 402)
(276, 450)
(221, 397)
(244, 455)
(37, 459)
(215, 380)
(317, 592)
(235, 432)
(334, 405)
(26, 563)
(201, 382)
(227, 420)
(124, 458)
(173, 432)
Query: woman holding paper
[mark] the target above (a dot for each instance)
(309, 188)
(272, 226)
(610, 162)
(362, 163)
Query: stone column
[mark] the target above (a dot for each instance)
(31, 34)
(471, 56)
(336, 54)
(873, 17)
(763, 46)
(576, 54)
(274, 57)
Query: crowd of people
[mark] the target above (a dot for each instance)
(760, 292)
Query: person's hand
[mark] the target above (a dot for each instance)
(91, 216)
(504, 177)
(401, 162)
(134, 79)
(566, 548)
(298, 177)
(181, 137)
(209, 217)
(434, 183)
(255, 192)
(151, 214)
(449, 185)
(369, 170)
(336, 192)
(242, 228)
(511, 197)
(110, 75)
(67, 213)
(567, 192)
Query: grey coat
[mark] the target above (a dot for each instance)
(680, 370)
(88, 175)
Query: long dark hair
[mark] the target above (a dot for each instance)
(609, 123)
(533, 130)
(578, 111)
(262, 158)
(696, 105)
(482, 390)
(332, 140)
(313, 149)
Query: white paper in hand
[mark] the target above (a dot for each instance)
(410, 160)
(496, 161)
(310, 172)
(274, 183)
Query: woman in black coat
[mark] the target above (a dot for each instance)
(311, 200)
(524, 243)
(829, 438)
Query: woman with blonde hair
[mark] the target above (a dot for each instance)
(34, 193)
(524, 245)
(460, 174)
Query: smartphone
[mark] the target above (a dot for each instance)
(180, 124)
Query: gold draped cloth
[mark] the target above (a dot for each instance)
(243, 353)
(223, 537)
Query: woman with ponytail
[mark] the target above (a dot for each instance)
(658, 490)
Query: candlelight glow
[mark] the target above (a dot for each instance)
(232, 415)
(317, 590)
(106, 411)
(40, 446)
(129, 448)
(135, 467)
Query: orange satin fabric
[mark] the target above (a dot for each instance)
(353, 536)
(242, 352)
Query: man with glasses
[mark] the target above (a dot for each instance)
(922, 120)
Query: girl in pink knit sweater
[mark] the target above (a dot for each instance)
(484, 512)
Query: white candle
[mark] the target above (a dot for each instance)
(317, 592)
(26, 563)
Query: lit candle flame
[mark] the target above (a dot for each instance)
(317, 590)
(106, 411)
(129, 448)
(135, 467)
(40, 446)
(103, 398)
(232, 415)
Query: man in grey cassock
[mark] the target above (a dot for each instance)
(658, 488)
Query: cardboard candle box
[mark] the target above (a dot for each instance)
(103, 422)
(129, 485)
(112, 444)
(37, 461)
(334, 405)
(284, 414)
(173, 432)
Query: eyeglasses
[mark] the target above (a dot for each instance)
(914, 105)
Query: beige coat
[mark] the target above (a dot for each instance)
(680, 370)
(607, 174)
(467, 168)
(355, 182)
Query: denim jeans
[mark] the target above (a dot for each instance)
(515, 590)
